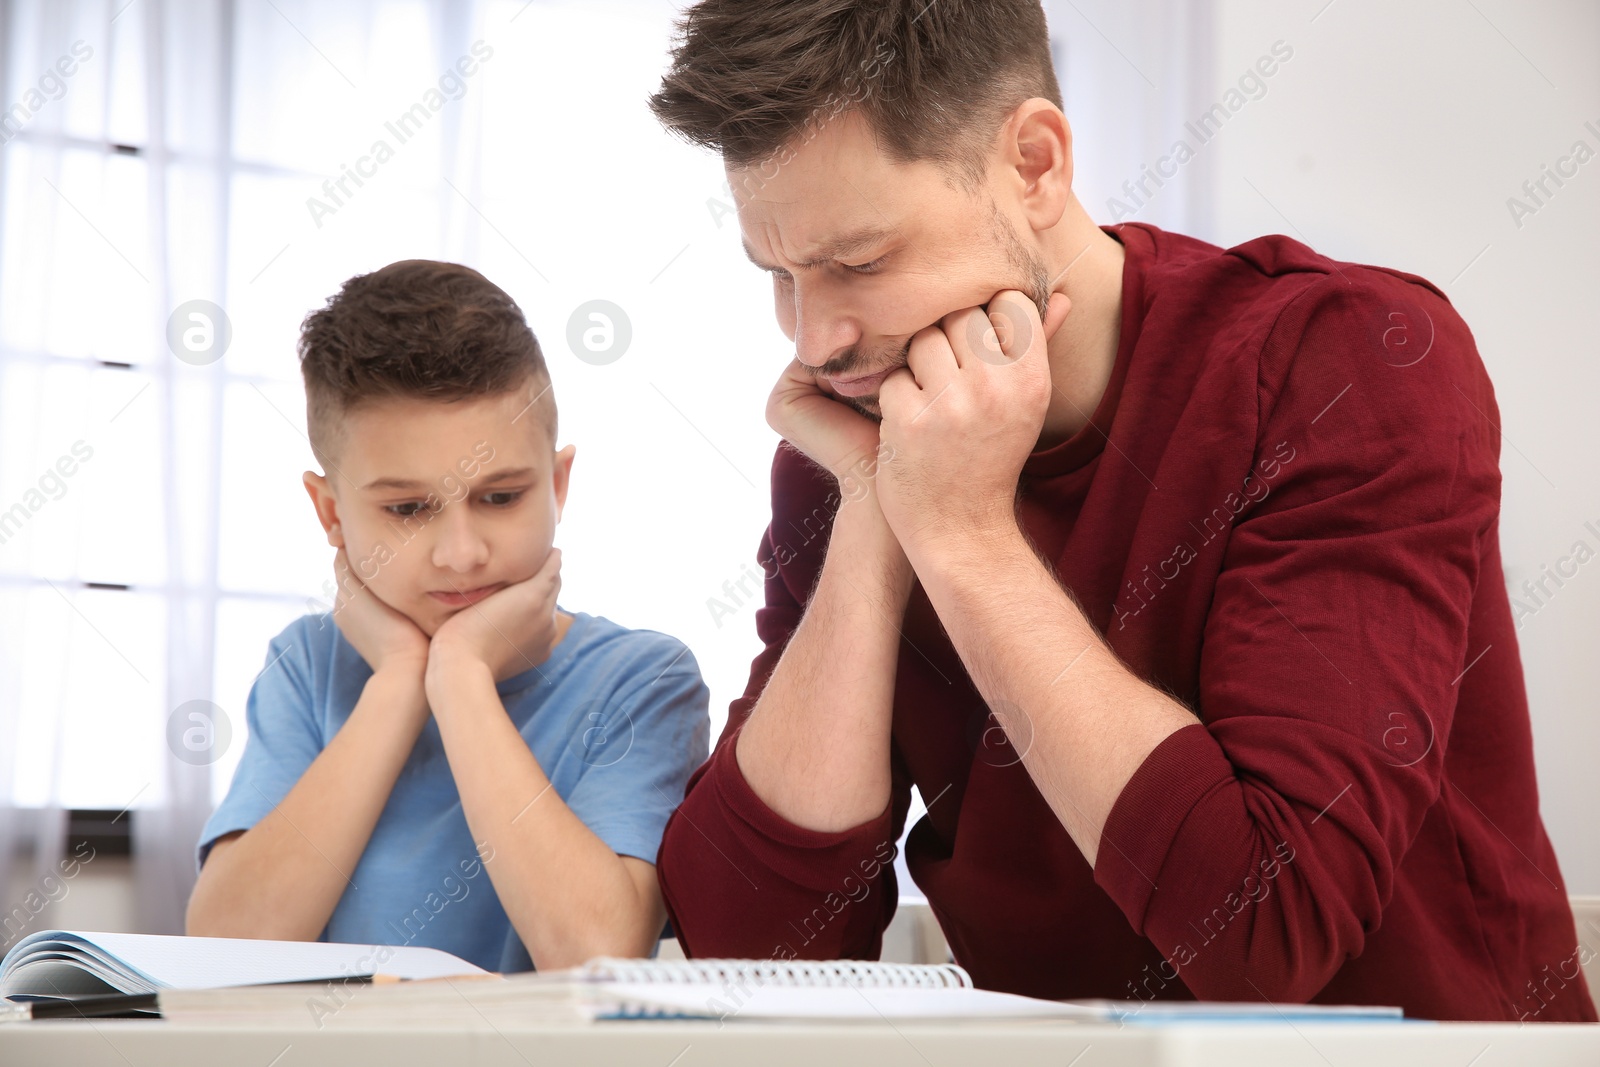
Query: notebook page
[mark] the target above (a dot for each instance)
(204, 962)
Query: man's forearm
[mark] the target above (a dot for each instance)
(816, 746)
(1082, 722)
(282, 878)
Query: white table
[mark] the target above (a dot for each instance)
(157, 1043)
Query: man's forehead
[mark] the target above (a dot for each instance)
(840, 245)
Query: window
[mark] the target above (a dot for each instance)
(156, 572)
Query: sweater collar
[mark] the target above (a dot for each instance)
(1076, 451)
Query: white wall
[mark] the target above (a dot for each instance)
(1395, 135)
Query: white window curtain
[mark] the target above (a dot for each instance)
(101, 576)
(139, 144)
(119, 181)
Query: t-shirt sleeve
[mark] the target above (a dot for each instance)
(1333, 652)
(283, 737)
(640, 749)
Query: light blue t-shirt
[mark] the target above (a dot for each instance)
(617, 719)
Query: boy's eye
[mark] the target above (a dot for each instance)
(503, 499)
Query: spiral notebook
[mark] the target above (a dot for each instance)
(723, 989)
(844, 990)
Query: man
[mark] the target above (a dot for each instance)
(1168, 575)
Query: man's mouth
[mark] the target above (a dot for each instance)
(861, 386)
(460, 599)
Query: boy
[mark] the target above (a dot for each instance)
(453, 720)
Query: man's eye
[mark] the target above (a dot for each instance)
(406, 510)
(865, 268)
(502, 500)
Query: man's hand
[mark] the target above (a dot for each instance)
(508, 632)
(830, 432)
(385, 638)
(961, 418)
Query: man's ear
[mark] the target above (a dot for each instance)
(1040, 151)
(327, 507)
(561, 476)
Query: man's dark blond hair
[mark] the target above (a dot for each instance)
(751, 78)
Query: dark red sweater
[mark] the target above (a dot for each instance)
(1292, 528)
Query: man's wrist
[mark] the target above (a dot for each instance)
(863, 540)
(973, 548)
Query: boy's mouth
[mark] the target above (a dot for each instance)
(454, 599)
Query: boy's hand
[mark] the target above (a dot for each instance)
(384, 637)
(508, 632)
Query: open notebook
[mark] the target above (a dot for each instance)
(72, 963)
(754, 990)
(797, 989)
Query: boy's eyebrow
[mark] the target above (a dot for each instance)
(513, 474)
(394, 483)
(837, 248)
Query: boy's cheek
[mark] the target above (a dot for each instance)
(422, 609)
(397, 591)
(532, 562)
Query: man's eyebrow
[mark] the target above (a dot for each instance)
(840, 247)
(513, 474)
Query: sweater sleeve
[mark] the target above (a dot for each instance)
(739, 880)
(1258, 849)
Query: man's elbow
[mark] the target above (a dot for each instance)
(1270, 963)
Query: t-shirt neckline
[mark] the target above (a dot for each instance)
(558, 656)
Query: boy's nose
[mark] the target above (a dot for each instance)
(458, 546)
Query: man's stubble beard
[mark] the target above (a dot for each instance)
(1024, 264)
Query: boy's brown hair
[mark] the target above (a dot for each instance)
(934, 80)
(416, 329)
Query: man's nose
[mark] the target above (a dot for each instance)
(822, 329)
